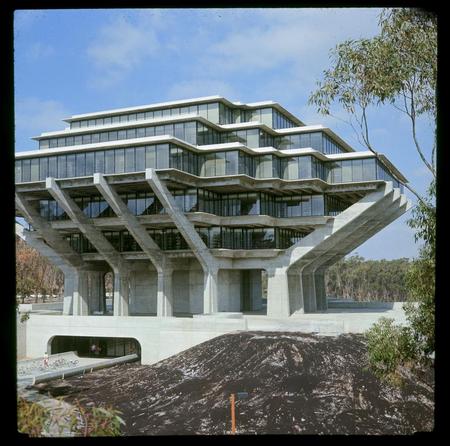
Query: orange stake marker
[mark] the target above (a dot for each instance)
(233, 414)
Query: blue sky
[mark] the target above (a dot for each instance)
(78, 61)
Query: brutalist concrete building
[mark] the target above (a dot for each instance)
(186, 203)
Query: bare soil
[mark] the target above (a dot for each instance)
(297, 384)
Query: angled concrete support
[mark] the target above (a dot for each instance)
(99, 241)
(207, 261)
(159, 259)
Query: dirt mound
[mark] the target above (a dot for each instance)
(297, 384)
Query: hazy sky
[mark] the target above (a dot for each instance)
(78, 61)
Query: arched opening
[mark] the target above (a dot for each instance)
(95, 346)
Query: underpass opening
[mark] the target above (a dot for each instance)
(95, 347)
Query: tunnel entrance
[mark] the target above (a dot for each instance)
(95, 347)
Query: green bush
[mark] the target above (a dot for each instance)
(389, 347)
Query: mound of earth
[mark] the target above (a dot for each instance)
(297, 384)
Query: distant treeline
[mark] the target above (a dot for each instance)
(364, 280)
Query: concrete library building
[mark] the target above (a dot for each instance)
(189, 205)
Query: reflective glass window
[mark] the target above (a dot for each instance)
(70, 141)
(150, 157)
(86, 139)
(122, 134)
(369, 172)
(123, 118)
(109, 161)
(357, 168)
(26, 170)
(140, 132)
(43, 168)
(53, 143)
(62, 166)
(90, 163)
(220, 163)
(305, 167)
(71, 166)
(119, 160)
(149, 131)
(80, 164)
(52, 167)
(162, 156)
(140, 158)
(34, 169)
(129, 159)
(346, 171)
(213, 112)
(95, 138)
(316, 141)
(99, 161)
(131, 133)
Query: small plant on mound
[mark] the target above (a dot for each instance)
(31, 418)
(389, 346)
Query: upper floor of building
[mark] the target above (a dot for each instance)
(205, 137)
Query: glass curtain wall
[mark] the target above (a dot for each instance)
(215, 237)
(234, 162)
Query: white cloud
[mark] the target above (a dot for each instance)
(121, 46)
(301, 37)
(34, 116)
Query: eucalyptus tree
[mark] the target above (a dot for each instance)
(397, 67)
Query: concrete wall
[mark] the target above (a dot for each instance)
(229, 290)
(144, 285)
(196, 290)
(159, 337)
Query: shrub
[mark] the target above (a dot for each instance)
(389, 347)
(33, 419)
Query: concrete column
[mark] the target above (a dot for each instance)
(96, 291)
(165, 295)
(121, 294)
(81, 294)
(295, 291)
(309, 292)
(278, 293)
(210, 292)
(70, 285)
(320, 288)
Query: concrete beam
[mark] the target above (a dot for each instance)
(159, 259)
(208, 262)
(86, 226)
(319, 265)
(130, 221)
(118, 264)
(185, 227)
(51, 236)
